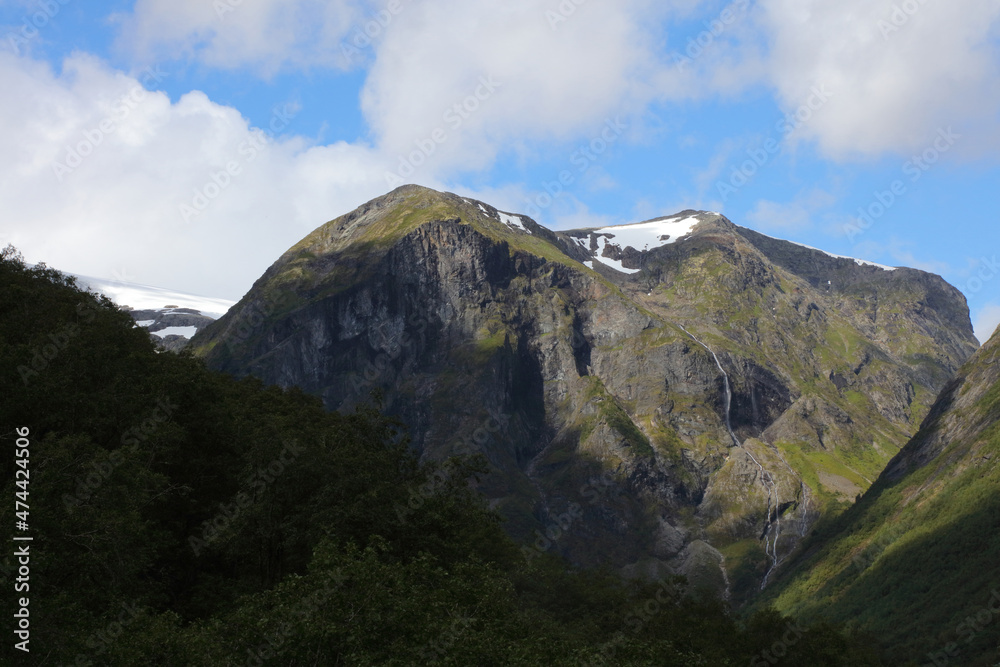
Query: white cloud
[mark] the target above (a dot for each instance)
(490, 76)
(264, 34)
(892, 89)
(118, 204)
(987, 321)
(705, 179)
(581, 217)
(157, 156)
(554, 81)
(561, 74)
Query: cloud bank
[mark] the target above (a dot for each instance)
(449, 88)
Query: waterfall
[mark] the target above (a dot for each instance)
(770, 545)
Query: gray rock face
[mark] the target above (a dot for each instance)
(919, 549)
(164, 318)
(581, 388)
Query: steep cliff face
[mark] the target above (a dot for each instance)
(917, 561)
(682, 394)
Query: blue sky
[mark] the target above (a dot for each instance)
(187, 144)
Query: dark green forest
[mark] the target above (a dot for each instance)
(183, 517)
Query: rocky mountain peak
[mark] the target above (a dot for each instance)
(724, 389)
(623, 247)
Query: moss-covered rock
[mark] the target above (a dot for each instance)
(486, 332)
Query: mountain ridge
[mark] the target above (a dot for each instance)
(459, 311)
(926, 530)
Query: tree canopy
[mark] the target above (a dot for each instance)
(183, 517)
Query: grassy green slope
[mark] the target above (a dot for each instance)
(366, 233)
(756, 314)
(917, 561)
(802, 351)
(835, 438)
(235, 524)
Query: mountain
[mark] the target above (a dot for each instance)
(172, 318)
(917, 560)
(170, 515)
(680, 395)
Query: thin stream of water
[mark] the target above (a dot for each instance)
(770, 545)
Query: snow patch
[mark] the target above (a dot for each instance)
(187, 332)
(144, 323)
(589, 264)
(512, 221)
(859, 262)
(602, 242)
(654, 234)
(640, 236)
(615, 264)
(145, 297)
